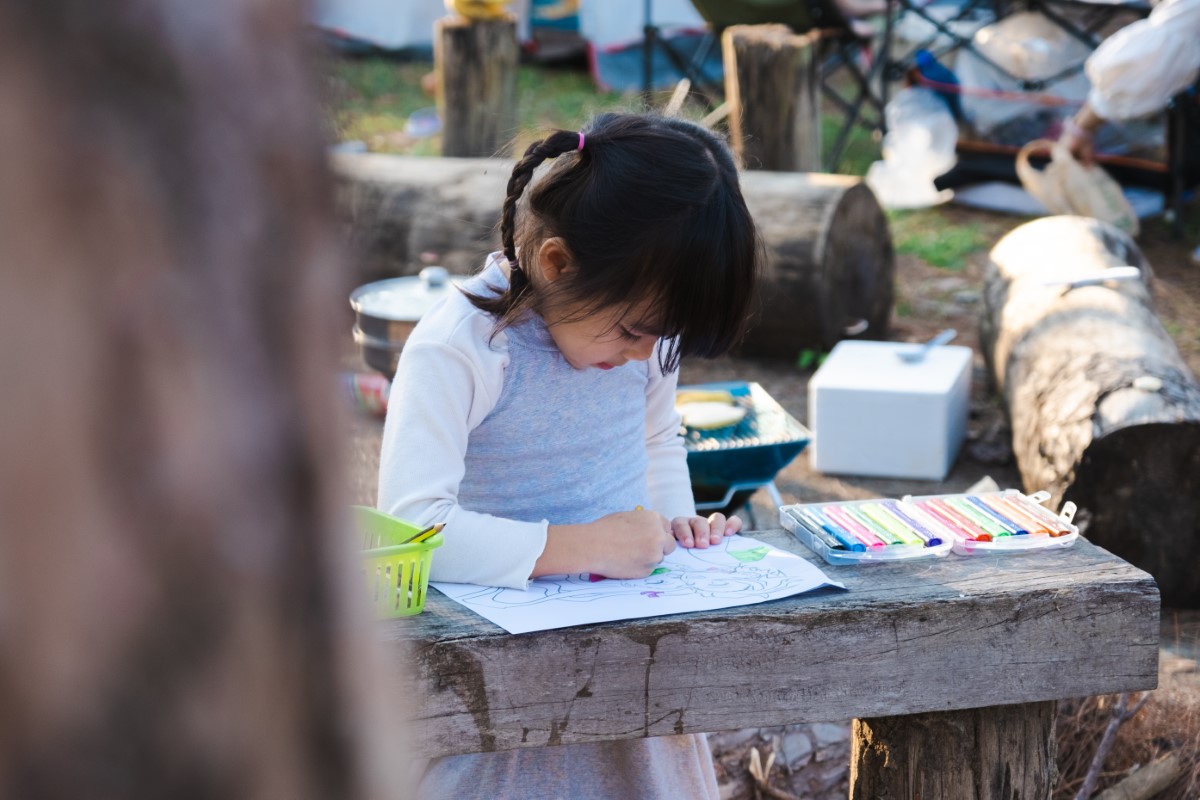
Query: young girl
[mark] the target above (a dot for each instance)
(534, 412)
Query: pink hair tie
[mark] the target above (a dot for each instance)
(580, 147)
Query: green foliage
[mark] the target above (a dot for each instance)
(810, 358)
(861, 147)
(927, 235)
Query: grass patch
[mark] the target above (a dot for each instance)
(371, 99)
(861, 147)
(928, 235)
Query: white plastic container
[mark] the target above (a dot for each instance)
(874, 414)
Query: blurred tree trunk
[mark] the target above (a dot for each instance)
(176, 600)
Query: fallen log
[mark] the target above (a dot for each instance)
(1104, 411)
(829, 266)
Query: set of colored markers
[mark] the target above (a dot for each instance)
(922, 527)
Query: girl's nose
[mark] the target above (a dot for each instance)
(642, 349)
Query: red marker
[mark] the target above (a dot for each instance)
(958, 523)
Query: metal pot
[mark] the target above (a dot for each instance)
(385, 313)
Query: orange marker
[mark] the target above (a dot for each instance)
(1035, 526)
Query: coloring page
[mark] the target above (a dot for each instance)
(739, 571)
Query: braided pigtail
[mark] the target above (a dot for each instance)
(510, 304)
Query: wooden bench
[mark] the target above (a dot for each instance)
(950, 668)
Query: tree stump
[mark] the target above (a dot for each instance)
(995, 753)
(829, 269)
(476, 66)
(179, 613)
(773, 88)
(1104, 410)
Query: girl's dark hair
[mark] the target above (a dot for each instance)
(649, 209)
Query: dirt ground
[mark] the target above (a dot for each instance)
(812, 760)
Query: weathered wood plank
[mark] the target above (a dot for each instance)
(945, 634)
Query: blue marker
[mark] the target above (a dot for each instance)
(931, 538)
(845, 538)
(815, 532)
(1003, 520)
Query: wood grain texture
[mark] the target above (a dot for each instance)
(944, 634)
(830, 262)
(772, 86)
(1066, 363)
(476, 67)
(995, 753)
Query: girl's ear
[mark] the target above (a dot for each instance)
(553, 259)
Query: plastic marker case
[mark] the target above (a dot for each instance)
(1023, 543)
(798, 520)
(835, 531)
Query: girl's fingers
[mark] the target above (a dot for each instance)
(700, 531)
(682, 531)
(668, 544)
(733, 525)
(716, 528)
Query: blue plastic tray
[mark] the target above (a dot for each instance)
(751, 452)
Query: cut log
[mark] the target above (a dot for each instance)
(829, 268)
(476, 66)
(772, 86)
(1104, 410)
(995, 753)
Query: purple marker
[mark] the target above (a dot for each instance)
(931, 538)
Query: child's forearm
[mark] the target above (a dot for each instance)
(565, 551)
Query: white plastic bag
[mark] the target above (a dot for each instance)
(918, 147)
(1067, 187)
(1029, 47)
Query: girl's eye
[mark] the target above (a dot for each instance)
(628, 334)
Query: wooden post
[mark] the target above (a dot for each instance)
(179, 613)
(995, 753)
(476, 66)
(1104, 410)
(772, 85)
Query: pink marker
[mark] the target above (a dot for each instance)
(855, 527)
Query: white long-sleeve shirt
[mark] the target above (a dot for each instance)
(1137, 70)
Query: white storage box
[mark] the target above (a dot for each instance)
(874, 414)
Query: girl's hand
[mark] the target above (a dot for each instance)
(701, 532)
(630, 544)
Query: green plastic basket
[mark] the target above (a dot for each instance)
(397, 575)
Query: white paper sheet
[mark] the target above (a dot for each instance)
(740, 571)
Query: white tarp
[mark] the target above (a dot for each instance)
(395, 24)
(605, 23)
(398, 24)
